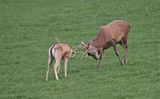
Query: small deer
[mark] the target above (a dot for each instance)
(59, 52)
(108, 36)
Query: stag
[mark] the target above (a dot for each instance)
(59, 52)
(108, 36)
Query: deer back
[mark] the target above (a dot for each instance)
(63, 50)
(115, 30)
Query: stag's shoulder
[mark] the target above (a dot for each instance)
(119, 21)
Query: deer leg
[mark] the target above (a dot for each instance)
(56, 66)
(100, 51)
(99, 64)
(100, 61)
(65, 66)
(126, 51)
(122, 43)
(58, 69)
(116, 52)
(50, 58)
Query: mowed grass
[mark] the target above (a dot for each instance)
(28, 28)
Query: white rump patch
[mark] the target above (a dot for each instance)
(53, 51)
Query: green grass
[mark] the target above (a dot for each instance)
(28, 28)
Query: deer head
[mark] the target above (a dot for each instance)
(91, 50)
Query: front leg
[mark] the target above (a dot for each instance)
(100, 58)
(56, 66)
(65, 66)
(99, 63)
(50, 58)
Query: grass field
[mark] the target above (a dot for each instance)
(28, 28)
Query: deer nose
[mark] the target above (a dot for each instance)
(96, 58)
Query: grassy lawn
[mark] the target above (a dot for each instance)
(28, 28)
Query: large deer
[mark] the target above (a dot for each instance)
(59, 52)
(108, 36)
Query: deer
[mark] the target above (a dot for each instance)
(59, 52)
(108, 36)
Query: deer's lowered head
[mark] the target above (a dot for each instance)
(91, 50)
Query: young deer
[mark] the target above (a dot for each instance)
(59, 51)
(108, 36)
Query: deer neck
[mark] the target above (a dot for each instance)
(98, 43)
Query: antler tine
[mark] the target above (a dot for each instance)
(76, 48)
(75, 51)
(82, 46)
(83, 43)
(78, 52)
(85, 53)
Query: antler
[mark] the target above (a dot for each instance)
(82, 45)
(75, 51)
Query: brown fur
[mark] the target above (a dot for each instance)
(108, 36)
(59, 52)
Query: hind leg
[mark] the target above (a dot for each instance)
(124, 44)
(65, 66)
(126, 51)
(58, 69)
(48, 68)
(56, 66)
